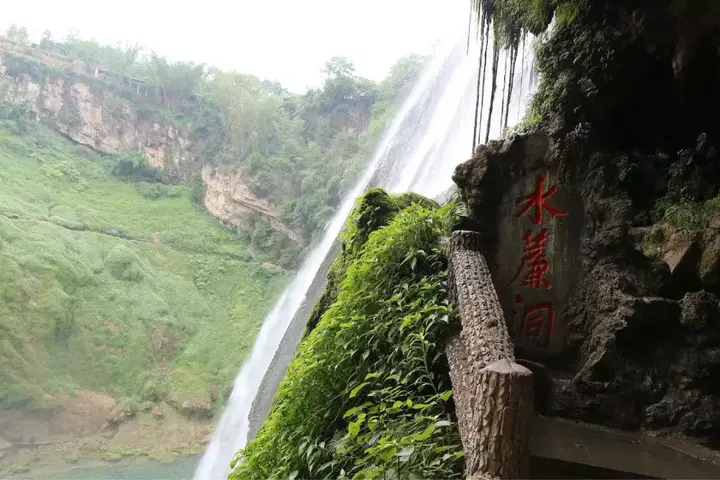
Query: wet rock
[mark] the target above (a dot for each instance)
(200, 405)
(119, 414)
(681, 253)
(700, 311)
(709, 268)
(695, 175)
(594, 403)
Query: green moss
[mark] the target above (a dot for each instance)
(16, 469)
(365, 396)
(373, 210)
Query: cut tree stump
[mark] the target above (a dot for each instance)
(493, 394)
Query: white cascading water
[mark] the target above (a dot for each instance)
(429, 136)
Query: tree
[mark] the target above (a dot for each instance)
(12, 32)
(47, 40)
(339, 67)
(17, 34)
(23, 36)
(402, 74)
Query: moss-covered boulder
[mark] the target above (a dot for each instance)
(373, 210)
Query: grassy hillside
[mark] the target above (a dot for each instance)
(299, 152)
(120, 287)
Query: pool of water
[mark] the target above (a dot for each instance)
(181, 469)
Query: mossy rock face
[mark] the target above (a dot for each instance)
(373, 210)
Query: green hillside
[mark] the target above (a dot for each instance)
(125, 288)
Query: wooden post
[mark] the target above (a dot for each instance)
(493, 394)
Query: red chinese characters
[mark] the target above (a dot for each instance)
(538, 201)
(534, 263)
(537, 319)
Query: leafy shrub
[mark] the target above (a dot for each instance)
(366, 394)
(124, 264)
(134, 167)
(155, 191)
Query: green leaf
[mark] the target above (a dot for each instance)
(353, 429)
(388, 453)
(442, 423)
(420, 437)
(357, 389)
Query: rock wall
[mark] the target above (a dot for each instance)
(635, 342)
(227, 196)
(600, 223)
(88, 112)
(98, 118)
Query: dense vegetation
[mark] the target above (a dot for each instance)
(367, 395)
(116, 286)
(300, 152)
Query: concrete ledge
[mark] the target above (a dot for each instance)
(561, 439)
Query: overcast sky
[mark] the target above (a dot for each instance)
(282, 40)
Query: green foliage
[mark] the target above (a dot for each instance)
(366, 394)
(241, 124)
(530, 120)
(104, 287)
(686, 216)
(17, 34)
(373, 210)
(134, 167)
(156, 191)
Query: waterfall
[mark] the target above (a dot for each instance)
(432, 132)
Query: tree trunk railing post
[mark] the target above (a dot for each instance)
(493, 394)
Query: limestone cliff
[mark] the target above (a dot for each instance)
(96, 117)
(227, 196)
(71, 98)
(600, 222)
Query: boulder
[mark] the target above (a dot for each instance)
(119, 414)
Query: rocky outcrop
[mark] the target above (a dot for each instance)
(633, 337)
(227, 197)
(93, 115)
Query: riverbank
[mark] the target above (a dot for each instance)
(129, 469)
(92, 432)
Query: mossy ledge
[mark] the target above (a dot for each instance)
(373, 210)
(368, 392)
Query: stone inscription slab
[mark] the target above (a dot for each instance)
(537, 259)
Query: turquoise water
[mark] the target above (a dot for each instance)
(181, 469)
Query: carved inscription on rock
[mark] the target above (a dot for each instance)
(538, 259)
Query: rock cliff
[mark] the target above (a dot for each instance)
(600, 222)
(81, 107)
(227, 196)
(96, 117)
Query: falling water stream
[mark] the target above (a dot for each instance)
(431, 133)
